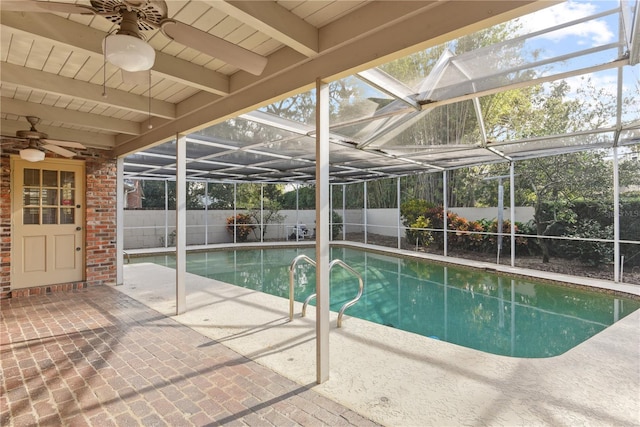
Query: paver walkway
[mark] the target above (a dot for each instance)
(98, 357)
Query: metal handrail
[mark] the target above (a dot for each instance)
(360, 288)
(306, 303)
(292, 269)
(347, 304)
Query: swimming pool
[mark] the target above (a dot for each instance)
(476, 309)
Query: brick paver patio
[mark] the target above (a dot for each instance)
(97, 357)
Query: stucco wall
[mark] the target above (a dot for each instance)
(146, 229)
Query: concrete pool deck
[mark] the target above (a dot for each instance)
(401, 379)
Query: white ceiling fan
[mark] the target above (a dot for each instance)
(38, 140)
(127, 48)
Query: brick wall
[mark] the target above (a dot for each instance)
(5, 226)
(101, 224)
(100, 231)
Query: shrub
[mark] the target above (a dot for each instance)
(590, 253)
(336, 224)
(420, 236)
(521, 242)
(242, 225)
(475, 241)
(410, 211)
(457, 227)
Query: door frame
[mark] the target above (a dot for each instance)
(16, 218)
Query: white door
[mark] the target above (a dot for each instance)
(47, 222)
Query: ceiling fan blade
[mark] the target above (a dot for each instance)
(214, 46)
(69, 144)
(13, 137)
(43, 6)
(59, 150)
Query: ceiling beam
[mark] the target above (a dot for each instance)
(69, 117)
(68, 87)
(275, 21)
(89, 139)
(77, 36)
(372, 18)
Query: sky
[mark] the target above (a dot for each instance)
(596, 32)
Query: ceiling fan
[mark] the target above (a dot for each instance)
(128, 49)
(38, 140)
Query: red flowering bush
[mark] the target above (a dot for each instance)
(242, 225)
(506, 235)
(480, 236)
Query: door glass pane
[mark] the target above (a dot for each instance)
(67, 215)
(31, 216)
(49, 178)
(49, 197)
(49, 215)
(32, 177)
(31, 196)
(67, 179)
(66, 197)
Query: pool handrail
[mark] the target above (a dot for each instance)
(360, 287)
(306, 303)
(348, 303)
(292, 269)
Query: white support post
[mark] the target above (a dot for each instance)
(181, 224)
(444, 208)
(364, 198)
(616, 217)
(344, 212)
(166, 213)
(206, 212)
(235, 210)
(331, 212)
(261, 212)
(399, 213)
(322, 234)
(512, 197)
(120, 221)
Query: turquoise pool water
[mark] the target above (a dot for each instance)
(476, 309)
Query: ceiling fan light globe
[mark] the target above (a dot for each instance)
(128, 52)
(32, 155)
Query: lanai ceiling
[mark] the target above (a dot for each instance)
(53, 68)
(52, 64)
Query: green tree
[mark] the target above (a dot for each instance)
(382, 193)
(306, 198)
(154, 194)
(554, 182)
(195, 197)
(220, 195)
(262, 203)
(457, 124)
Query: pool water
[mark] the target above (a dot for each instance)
(472, 308)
